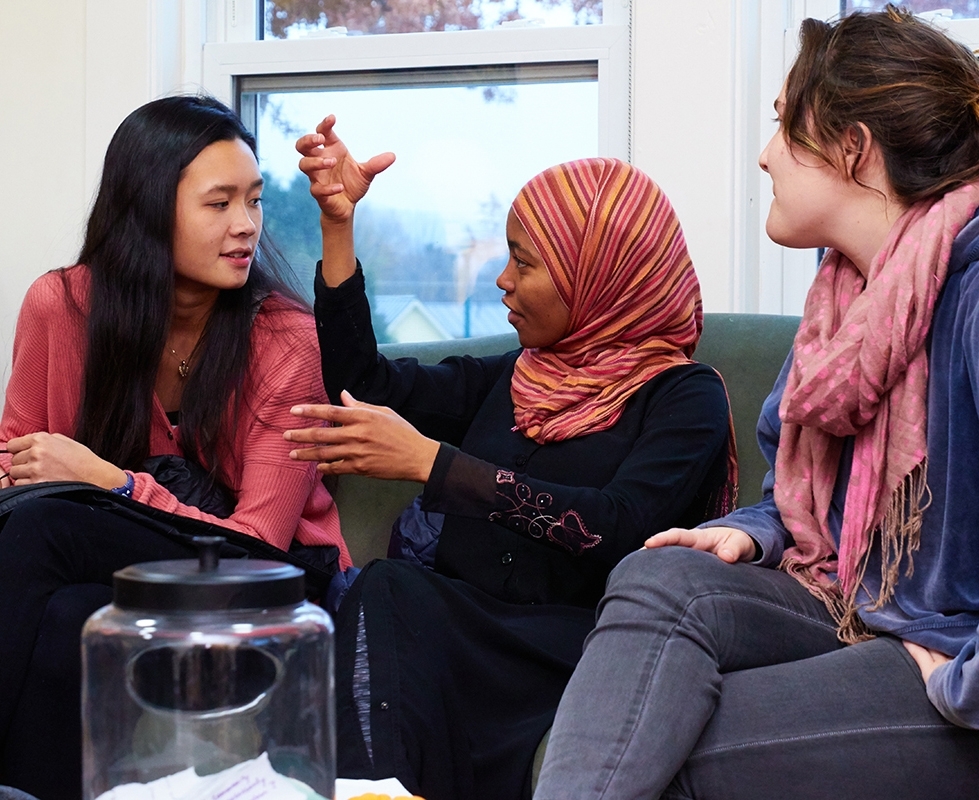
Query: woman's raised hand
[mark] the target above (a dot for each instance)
(728, 544)
(336, 180)
(363, 440)
(42, 457)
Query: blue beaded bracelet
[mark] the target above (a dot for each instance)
(126, 490)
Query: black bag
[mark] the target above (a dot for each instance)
(320, 563)
(191, 485)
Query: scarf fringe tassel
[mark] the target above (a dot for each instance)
(899, 533)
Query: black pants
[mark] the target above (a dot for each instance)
(462, 686)
(56, 563)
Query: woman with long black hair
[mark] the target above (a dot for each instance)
(161, 367)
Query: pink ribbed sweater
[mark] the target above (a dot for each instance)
(277, 498)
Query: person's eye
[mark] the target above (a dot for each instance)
(219, 204)
(256, 201)
(520, 264)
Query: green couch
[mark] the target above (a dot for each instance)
(747, 349)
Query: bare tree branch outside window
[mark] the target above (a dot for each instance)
(962, 9)
(408, 16)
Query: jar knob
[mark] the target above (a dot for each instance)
(209, 549)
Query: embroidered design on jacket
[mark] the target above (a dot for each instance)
(526, 513)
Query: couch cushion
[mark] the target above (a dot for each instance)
(748, 350)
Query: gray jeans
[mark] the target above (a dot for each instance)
(708, 680)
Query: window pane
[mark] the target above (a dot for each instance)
(961, 9)
(289, 18)
(430, 233)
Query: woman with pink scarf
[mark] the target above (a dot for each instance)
(824, 642)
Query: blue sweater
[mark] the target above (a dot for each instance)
(939, 606)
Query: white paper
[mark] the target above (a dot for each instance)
(250, 780)
(348, 787)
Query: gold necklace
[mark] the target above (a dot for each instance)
(183, 368)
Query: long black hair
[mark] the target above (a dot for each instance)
(129, 251)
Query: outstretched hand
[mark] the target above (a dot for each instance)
(364, 440)
(728, 544)
(41, 457)
(336, 180)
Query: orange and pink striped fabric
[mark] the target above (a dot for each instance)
(613, 247)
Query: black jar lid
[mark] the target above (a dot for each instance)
(208, 584)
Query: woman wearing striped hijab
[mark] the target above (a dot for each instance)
(542, 468)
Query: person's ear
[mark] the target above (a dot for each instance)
(862, 155)
(864, 160)
(856, 144)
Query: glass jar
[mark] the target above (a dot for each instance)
(208, 665)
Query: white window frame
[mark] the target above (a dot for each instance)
(964, 30)
(777, 276)
(231, 52)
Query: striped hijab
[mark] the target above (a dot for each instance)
(613, 248)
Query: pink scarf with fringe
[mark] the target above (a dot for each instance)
(860, 369)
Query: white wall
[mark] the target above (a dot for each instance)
(70, 70)
(682, 105)
(42, 147)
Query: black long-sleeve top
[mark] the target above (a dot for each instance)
(524, 522)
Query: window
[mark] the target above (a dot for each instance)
(430, 231)
(284, 19)
(471, 114)
(959, 18)
(959, 9)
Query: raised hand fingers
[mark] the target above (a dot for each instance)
(309, 144)
(312, 164)
(321, 170)
(377, 164)
(325, 128)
